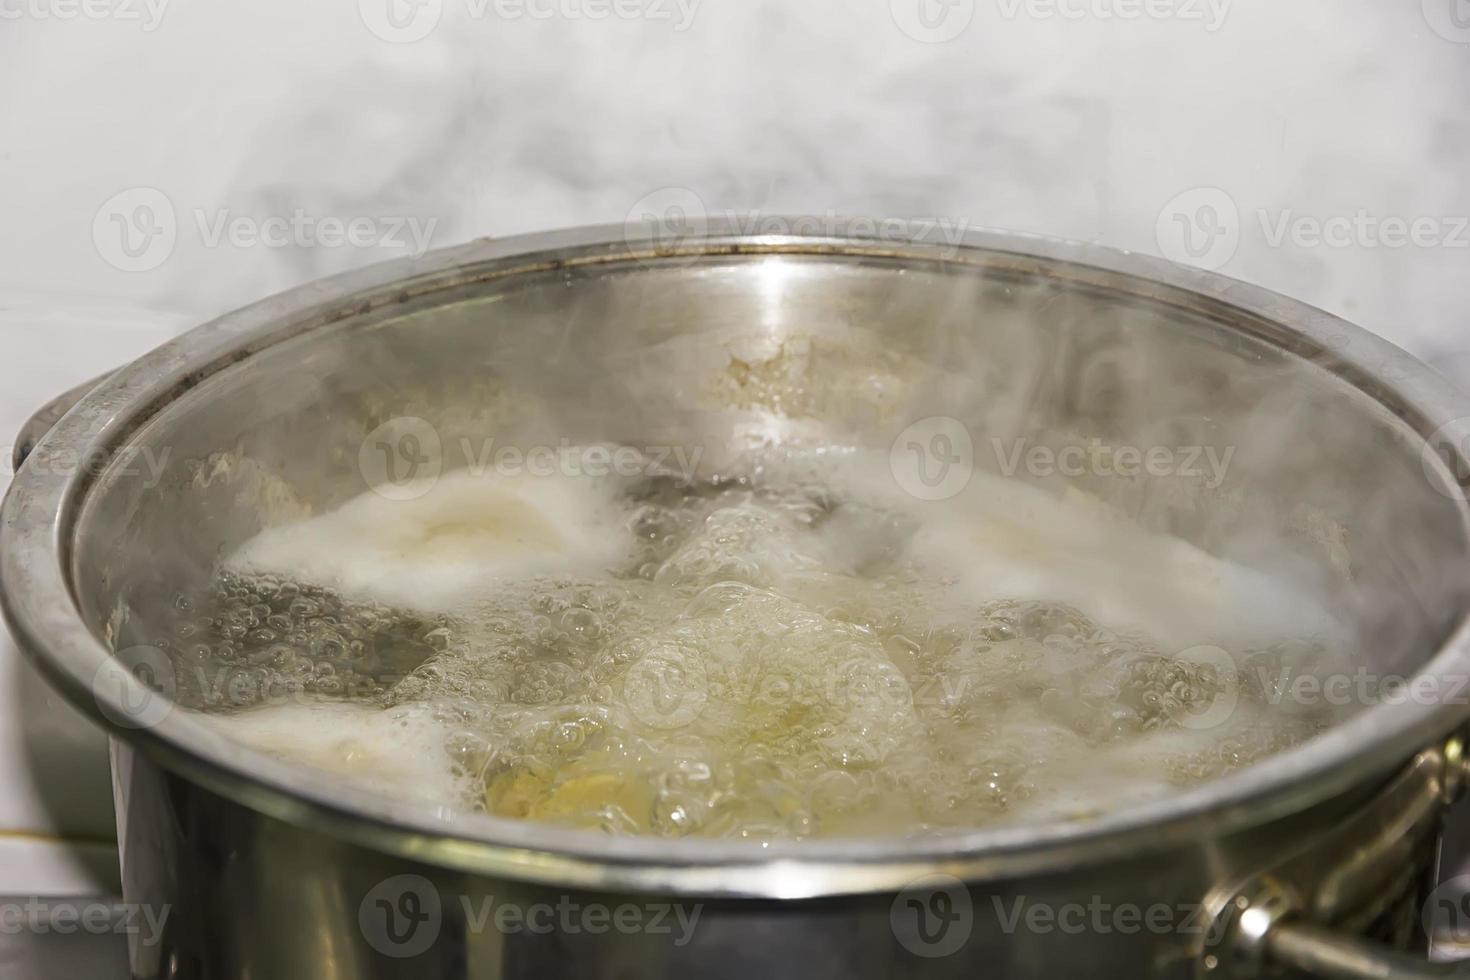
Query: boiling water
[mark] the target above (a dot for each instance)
(800, 651)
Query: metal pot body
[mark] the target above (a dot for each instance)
(1344, 455)
(253, 896)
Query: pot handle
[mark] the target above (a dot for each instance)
(1277, 920)
(46, 416)
(1317, 952)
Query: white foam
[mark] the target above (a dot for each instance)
(400, 751)
(1004, 538)
(443, 547)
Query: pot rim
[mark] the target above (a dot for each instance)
(43, 504)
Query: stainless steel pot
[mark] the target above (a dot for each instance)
(1347, 453)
